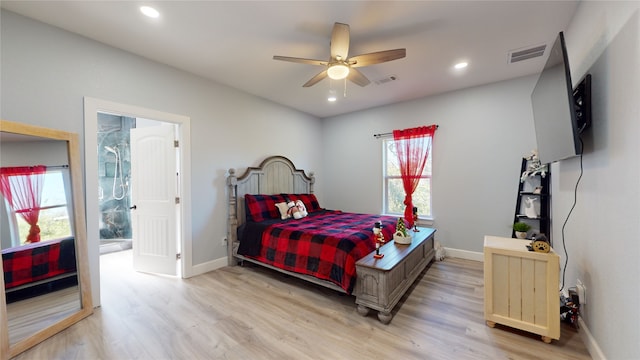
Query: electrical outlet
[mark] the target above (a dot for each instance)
(573, 297)
(224, 241)
(581, 289)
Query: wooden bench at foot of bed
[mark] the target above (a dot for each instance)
(38, 263)
(382, 282)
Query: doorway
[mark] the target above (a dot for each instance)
(112, 164)
(114, 181)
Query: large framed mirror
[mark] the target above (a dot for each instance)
(45, 278)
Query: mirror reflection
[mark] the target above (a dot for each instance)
(36, 234)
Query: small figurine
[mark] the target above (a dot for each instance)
(530, 208)
(415, 219)
(534, 167)
(378, 237)
(401, 227)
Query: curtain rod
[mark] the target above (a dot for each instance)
(377, 136)
(47, 166)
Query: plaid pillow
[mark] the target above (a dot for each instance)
(262, 207)
(309, 200)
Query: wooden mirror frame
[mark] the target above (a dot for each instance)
(80, 233)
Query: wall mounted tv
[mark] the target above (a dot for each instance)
(560, 113)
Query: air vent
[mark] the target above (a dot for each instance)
(386, 79)
(528, 53)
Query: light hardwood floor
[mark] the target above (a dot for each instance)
(31, 315)
(252, 313)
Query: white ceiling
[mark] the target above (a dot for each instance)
(233, 42)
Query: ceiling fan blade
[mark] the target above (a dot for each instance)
(340, 41)
(358, 78)
(314, 80)
(301, 60)
(377, 57)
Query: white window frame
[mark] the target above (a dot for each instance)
(385, 182)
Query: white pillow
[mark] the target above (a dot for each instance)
(284, 210)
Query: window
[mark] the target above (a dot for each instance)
(394, 192)
(54, 220)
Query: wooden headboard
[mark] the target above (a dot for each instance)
(275, 175)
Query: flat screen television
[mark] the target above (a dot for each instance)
(560, 113)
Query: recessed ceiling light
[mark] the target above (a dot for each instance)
(461, 65)
(149, 11)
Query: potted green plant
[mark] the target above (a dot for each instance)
(521, 229)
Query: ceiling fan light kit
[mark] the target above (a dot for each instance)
(340, 66)
(338, 71)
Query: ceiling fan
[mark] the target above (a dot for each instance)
(340, 66)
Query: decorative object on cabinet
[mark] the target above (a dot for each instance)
(533, 198)
(521, 229)
(401, 236)
(539, 243)
(378, 237)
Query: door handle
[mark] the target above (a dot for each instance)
(133, 207)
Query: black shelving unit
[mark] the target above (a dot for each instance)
(541, 223)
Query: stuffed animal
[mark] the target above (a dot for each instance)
(293, 211)
(534, 167)
(301, 208)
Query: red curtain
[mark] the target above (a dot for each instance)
(22, 187)
(412, 146)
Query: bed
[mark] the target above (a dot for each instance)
(40, 263)
(322, 248)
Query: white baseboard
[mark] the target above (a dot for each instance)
(590, 341)
(209, 266)
(464, 254)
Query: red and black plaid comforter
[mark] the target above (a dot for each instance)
(325, 244)
(37, 261)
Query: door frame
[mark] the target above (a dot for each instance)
(91, 108)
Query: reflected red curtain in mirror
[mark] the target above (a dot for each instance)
(412, 146)
(22, 187)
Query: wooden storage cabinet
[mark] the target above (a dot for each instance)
(382, 282)
(521, 287)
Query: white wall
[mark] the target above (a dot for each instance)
(602, 234)
(46, 72)
(484, 133)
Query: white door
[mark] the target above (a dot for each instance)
(154, 194)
